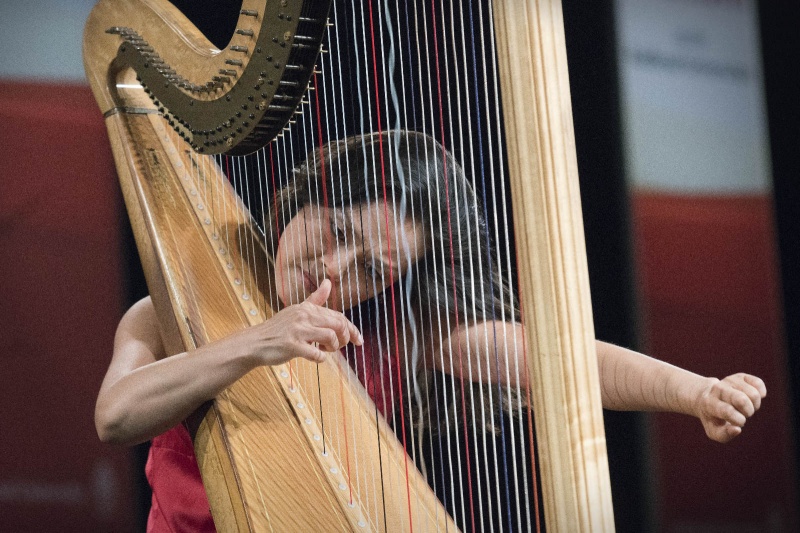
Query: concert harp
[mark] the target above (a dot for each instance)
(301, 447)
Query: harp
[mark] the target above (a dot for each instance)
(177, 109)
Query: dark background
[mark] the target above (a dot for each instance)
(73, 258)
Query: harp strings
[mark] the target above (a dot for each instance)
(442, 446)
(410, 326)
(343, 269)
(445, 53)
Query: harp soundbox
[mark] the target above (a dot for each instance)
(280, 449)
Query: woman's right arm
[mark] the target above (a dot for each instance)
(144, 394)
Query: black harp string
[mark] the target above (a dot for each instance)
(481, 259)
(326, 154)
(389, 166)
(434, 325)
(288, 150)
(325, 180)
(457, 129)
(340, 172)
(373, 317)
(432, 53)
(321, 181)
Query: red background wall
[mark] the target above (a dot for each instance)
(709, 297)
(710, 300)
(63, 287)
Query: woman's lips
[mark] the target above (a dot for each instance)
(309, 282)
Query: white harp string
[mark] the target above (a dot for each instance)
(434, 72)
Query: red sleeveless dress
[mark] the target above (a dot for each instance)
(179, 502)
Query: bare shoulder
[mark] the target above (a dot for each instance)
(138, 331)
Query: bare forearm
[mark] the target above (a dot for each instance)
(628, 380)
(156, 397)
(488, 351)
(142, 396)
(632, 381)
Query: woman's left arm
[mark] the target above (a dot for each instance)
(629, 381)
(633, 381)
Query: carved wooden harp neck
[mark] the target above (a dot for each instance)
(231, 101)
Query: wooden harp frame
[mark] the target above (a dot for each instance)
(195, 292)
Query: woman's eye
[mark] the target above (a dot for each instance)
(338, 231)
(372, 271)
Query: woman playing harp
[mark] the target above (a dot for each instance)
(345, 259)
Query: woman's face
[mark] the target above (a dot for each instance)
(354, 248)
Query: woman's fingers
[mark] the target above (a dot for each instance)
(725, 411)
(346, 330)
(753, 387)
(327, 339)
(746, 392)
(730, 403)
(728, 432)
(312, 353)
(738, 399)
(320, 296)
(756, 382)
(328, 318)
(322, 316)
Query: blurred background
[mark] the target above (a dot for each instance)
(688, 128)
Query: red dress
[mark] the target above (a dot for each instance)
(179, 501)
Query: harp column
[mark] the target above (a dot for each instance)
(553, 276)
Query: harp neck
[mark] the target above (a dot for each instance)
(233, 100)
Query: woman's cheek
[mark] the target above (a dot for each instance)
(282, 277)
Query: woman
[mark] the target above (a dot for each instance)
(384, 231)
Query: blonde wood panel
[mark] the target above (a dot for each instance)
(205, 310)
(261, 464)
(553, 272)
(355, 435)
(263, 407)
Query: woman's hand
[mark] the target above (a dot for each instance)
(294, 331)
(724, 406)
(145, 393)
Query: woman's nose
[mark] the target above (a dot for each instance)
(332, 272)
(336, 264)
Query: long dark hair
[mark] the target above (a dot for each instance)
(424, 183)
(427, 183)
